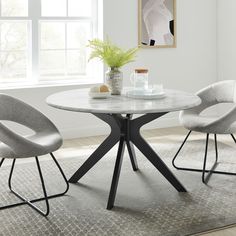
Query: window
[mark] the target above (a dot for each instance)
(45, 41)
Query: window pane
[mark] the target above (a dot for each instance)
(13, 35)
(78, 34)
(52, 63)
(53, 7)
(76, 62)
(52, 35)
(80, 8)
(13, 65)
(14, 7)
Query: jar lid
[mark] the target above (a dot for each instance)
(141, 70)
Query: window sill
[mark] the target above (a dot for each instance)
(46, 84)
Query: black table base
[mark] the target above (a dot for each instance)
(126, 130)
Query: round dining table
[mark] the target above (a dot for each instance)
(117, 111)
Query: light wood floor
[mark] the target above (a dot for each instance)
(224, 232)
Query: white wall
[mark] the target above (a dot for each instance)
(189, 67)
(226, 43)
(192, 64)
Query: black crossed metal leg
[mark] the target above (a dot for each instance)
(126, 130)
(45, 198)
(205, 178)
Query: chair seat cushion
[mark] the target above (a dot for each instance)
(41, 144)
(205, 124)
(196, 122)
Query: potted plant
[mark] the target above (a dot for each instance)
(114, 57)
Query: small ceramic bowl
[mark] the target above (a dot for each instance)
(99, 95)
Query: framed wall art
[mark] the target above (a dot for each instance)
(157, 23)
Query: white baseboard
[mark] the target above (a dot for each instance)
(95, 130)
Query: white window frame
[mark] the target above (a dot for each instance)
(34, 17)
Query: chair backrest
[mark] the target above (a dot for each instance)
(221, 92)
(12, 109)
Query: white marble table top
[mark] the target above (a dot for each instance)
(79, 100)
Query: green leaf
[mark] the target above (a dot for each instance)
(111, 54)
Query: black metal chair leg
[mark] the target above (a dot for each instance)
(204, 171)
(233, 137)
(44, 192)
(11, 172)
(28, 201)
(206, 179)
(2, 161)
(46, 198)
(65, 179)
(204, 162)
(216, 147)
(63, 175)
(205, 159)
(177, 153)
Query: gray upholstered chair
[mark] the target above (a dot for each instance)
(193, 120)
(44, 140)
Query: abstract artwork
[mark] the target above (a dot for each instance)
(157, 21)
